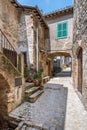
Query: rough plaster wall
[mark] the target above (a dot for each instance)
(64, 43)
(42, 41)
(29, 25)
(26, 37)
(22, 34)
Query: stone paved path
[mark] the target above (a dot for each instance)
(59, 108)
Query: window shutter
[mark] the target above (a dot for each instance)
(59, 34)
(65, 29)
(64, 26)
(62, 30)
(59, 30)
(59, 27)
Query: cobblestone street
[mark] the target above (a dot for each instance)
(59, 107)
(43, 65)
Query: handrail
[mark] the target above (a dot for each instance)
(7, 48)
(3, 35)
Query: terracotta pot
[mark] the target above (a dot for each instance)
(29, 80)
(26, 79)
(37, 83)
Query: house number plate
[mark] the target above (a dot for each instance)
(18, 81)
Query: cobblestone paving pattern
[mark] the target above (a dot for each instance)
(59, 107)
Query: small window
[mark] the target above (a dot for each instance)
(62, 30)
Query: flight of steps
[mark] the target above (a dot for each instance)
(32, 93)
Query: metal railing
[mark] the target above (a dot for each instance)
(7, 48)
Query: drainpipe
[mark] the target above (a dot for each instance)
(37, 53)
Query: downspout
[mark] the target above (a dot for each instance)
(37, 50)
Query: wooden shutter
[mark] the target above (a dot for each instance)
(62, 30)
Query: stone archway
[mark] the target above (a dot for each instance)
(4, 102)
(79, 56)
(62, 55)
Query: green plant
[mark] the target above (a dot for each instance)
(64, 66)
(33, 76)
(25, 71)
(40, 74)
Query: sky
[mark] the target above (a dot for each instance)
(47, 5)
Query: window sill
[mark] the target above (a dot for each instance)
(61, 38)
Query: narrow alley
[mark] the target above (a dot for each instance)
(43, 65)
(59, 108)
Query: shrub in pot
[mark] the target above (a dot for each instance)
(26, 73)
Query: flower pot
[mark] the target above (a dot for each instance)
(37, 83)
(26, 79)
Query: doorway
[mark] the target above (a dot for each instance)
(80, 70)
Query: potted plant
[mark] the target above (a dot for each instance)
(38, 79)
(35, 79)
(26, 73)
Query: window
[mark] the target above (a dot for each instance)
(62, 30)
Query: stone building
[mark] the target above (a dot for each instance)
(80, 49)
(23, 33)
(61, 33)
(33, 38)
(11, 79)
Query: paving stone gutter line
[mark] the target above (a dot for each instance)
(31, 125)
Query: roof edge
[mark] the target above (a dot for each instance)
(30, 7)
(63, 10)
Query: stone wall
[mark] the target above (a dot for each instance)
(8, 73)
(29, 24)
(42, 59)
(42, 42)
(9, 19)
(26, 41)
(80, 42)
(9, 24)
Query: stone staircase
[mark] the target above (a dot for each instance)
(32, 92)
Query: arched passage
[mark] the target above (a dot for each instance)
(79, 56)
(54, 54)
(60, 61)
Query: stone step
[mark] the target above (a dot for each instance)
(30, 91)
(29, 85)
(35, 96)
